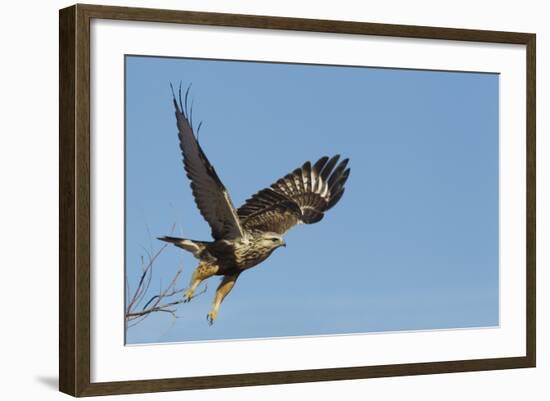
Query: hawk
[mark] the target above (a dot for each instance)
(245, 237)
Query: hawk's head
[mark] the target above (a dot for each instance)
(271, 241)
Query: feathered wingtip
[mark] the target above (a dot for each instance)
(178, 104)
(183, 107)
(335, 175)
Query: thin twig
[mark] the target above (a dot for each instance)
(158, 302)
(140, 290)
(162, 308)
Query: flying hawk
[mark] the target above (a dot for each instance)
(245, 237)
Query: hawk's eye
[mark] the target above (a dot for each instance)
(274, 239)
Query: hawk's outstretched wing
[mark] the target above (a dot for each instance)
(210, 195)
(300, 197)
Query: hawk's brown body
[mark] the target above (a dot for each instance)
(245, 237)
(232, 257)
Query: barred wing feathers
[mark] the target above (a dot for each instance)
(210, 194)
(302, 196)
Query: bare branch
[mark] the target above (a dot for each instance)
(142, 289)
(136, 310)
(162, 308)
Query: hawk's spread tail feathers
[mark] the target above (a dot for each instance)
(195, 247)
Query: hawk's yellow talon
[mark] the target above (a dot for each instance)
(211, 317)
(188, 295)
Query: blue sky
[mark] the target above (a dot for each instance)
(412, 245)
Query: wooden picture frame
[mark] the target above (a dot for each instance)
(75, 209)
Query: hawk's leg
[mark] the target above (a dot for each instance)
(223, 289)
(202, 272)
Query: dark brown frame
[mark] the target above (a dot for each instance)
(74, 199)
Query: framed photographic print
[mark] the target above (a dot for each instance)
(279, 200)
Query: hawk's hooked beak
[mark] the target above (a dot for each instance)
(283, 244)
